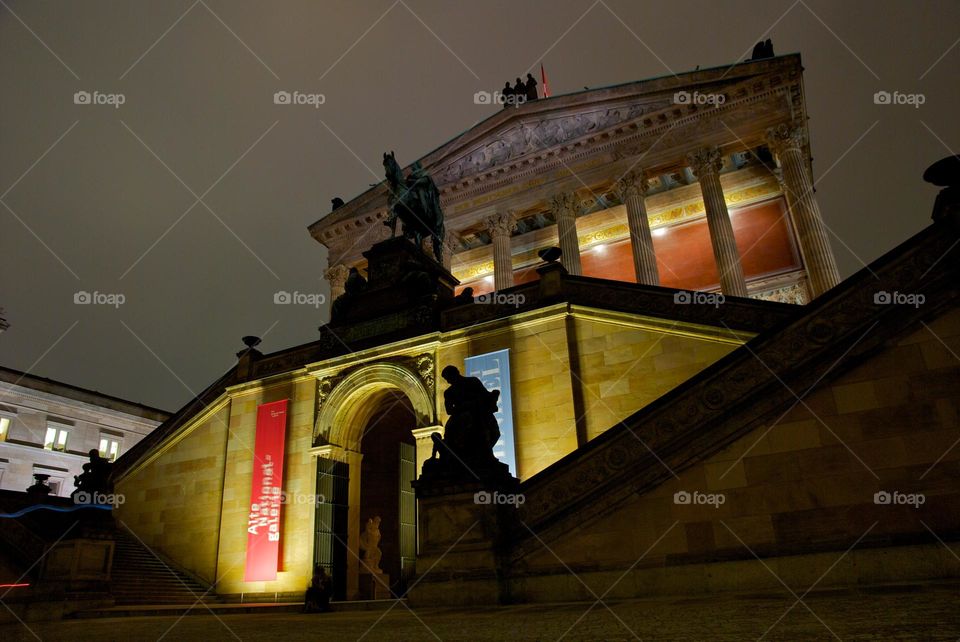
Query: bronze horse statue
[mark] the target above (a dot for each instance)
(415, 202)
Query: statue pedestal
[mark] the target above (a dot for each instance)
(462, 527)
(374, 586)
(400, 277)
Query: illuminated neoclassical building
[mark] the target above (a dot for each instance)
(673, 181)
(618, 388)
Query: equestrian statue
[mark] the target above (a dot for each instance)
(414, 201)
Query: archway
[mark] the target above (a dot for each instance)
(365, 448)
(387, 468)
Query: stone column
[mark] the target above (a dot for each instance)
(500, 226)
(337, 276)
(632, 188)
(706, 164)
(451, 241)
(787, 141)
(565, 207)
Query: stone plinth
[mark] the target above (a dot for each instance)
(400, 278)
(462, 528)
(80, 564)
(374, 586)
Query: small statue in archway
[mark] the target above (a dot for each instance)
(370, 545)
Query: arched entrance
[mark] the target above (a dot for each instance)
(387, 468)
(366, 453)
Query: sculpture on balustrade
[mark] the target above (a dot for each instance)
(466, 449)
(94, 481)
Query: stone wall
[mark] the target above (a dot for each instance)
(172, 502)
(585, 366)
(543, 410)
(299, 482)
(799, 492)
(626, 364)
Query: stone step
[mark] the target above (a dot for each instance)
(165, 609)
(140, 578)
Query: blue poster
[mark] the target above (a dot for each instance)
(493, 369)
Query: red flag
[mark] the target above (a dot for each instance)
(543, 80)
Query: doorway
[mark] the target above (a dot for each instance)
(386, 470)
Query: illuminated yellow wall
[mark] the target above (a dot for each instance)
(172, 502)
(298, 483)
(567, 364)
(625, 362)
(542, 386)
(571, 364)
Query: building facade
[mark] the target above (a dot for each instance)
(699, 181)
(625, 377)
(48, 428)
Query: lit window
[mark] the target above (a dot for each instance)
(56, 438)
(4, 427)
(109, 447)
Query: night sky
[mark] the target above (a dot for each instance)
(192, 198)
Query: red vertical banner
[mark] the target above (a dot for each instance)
(263, 523)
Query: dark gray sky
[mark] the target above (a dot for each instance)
(86, 206)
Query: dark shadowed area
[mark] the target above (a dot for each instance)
(183, 210)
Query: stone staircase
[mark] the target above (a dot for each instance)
(140, 578)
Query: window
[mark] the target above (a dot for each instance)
(4, 427)
(109, 446)
(56, 438)
(55, 485)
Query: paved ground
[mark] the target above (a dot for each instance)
(904, 613)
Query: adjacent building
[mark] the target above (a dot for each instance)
(48, 427)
